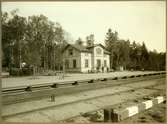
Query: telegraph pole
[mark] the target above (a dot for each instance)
(63, 68)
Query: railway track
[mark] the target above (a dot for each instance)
(14, 96)
(129, 89)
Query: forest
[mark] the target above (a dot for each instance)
(37, 42)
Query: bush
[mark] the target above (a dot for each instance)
(49, 73)
(27, 71)
(21, 72)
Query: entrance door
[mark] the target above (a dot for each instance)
(74, 63)
(98, 63)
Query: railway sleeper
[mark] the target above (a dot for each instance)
(91, 81)
(29, 88)
(104, 79)
(75, 83)
(124, 77)
(54, 86)
(163, 73)
(115, 78)
(132, 76)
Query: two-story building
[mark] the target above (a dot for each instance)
(86, 59)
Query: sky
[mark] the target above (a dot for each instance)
(133, 20)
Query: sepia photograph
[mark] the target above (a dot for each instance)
(83, 61)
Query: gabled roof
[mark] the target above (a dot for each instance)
(105, 51)
(95, 46)
(80, 48)
(77, 47)
(86, 49)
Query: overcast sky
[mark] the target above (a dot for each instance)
(139, 21)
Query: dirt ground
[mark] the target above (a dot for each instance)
(156, 114)
(66, 111)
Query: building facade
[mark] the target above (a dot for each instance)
(79, 58)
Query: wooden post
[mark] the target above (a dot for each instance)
(52, 98)
(106, 115)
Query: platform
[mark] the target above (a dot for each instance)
(30, 80)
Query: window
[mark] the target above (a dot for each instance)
(105, 63)
(74, 63)
(99, 51)
(86, 54)
(67, 63)
(70, 52)
(86, 63)
(105, 55)
(98, 62)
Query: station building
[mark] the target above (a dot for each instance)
(79, 58)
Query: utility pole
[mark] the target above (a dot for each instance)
(63, 68)
(63, 60)
(111, 59)
(20, 57)
(53, 57)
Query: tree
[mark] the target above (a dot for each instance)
(6, 41)
(13, 29)
(39, 42)
(111, 37)
(111, 45)
(124, 48)
(36, 37)
(35, 40)
(42, 34)
(156, 61)
(61, 43)
(144, 56)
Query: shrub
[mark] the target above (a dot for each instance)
(21, 72)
